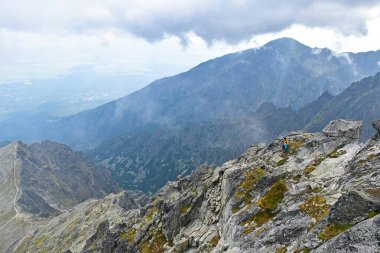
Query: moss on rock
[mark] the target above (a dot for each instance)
(316, 207)
(333, 230)
(274, 196)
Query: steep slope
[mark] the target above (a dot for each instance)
(155, 155)
(323, 196)
(360, 101)
(40, 181)
(284, 72)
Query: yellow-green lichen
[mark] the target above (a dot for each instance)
(185, 208)
(281, 250)
(333, 230)
(151, 212)
(154, 245)
(316, 189)
(214, 241)
(282, 162)
(250, 179)
(297, 178)
(336, 153)
(373, 214)
(274, 196)
(316, 207)
(304, 250)
(129, 235)
(296, 145)
(319, 160)
(309, 169)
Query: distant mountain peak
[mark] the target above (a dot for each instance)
(284, 42)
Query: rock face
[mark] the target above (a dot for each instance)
(322, 196)
(376, 125)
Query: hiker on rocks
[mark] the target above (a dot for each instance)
(285, 145)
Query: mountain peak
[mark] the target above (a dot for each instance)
(284, 42)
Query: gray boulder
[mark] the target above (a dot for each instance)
(343, 128)
(376, 125)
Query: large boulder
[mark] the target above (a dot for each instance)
(343, 128)
(376, 125)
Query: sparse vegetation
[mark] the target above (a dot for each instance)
(129, 235)
(336, 153)
(316, 207)
(214, 241)
(151, 212)
(309, 169)
(333, 230)
(154, 245)
(250, 179)
(185, 208)
(282, 162)
(281, 250)
(373, 214)
(273, 196)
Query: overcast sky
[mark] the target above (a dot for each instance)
(156, 38)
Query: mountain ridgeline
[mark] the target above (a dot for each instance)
(214, 111)
(43, 180)
(322, 196)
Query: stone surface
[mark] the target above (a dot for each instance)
(320, 196)
(343, 128)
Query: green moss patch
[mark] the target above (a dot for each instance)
(295, 145)
(333, 230)
(185, 209)
(250, 179)
(336, 153)
(304, 250)
(151, 212)
(319, 160)
(282, 162)
(274, 196)
(309, 189)
(154, 245)
(316, 207)
(214, 241)
(281, 250)
(373, 214)
(129, 235)
(309, 169)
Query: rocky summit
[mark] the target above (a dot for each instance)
(321, 196)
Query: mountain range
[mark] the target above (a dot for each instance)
(214, 111)
(322, 196)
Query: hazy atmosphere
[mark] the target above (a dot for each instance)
(189, 126)
(42, 39)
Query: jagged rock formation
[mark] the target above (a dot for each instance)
(323, 196)
(41, 181)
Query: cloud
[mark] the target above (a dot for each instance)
(153, 39)
(212, 20)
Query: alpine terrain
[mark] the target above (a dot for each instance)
(323, 195)
(216, 110)
(41, 181)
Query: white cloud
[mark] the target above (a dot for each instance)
(43, 38)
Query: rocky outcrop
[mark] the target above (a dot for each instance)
(322, 196)
(343, 128)
(376, 125)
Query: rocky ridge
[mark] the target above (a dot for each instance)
(43, 180)
(323, 196)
